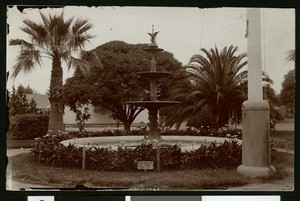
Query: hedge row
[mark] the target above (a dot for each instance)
(48, 150)
(28, 126)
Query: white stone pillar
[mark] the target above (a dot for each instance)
(255, 111)
(254, 49)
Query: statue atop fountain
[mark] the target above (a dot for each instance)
(153, 105)
(153, 37)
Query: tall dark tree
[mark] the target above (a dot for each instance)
(56, 39)
(111, 86)
(287, 93)
(19, 104)
(27, 90)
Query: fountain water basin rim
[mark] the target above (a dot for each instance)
(187, 143)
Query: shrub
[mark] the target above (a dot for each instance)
(170, 157)
(203, 118)
(227, 155)
(99, 159)
(28, 126)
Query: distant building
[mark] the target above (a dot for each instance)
(42, 101)
(100, 118)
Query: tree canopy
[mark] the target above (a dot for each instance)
(114, 83)
(287, 93)
(27, 90)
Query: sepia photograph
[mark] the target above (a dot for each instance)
(150, 98)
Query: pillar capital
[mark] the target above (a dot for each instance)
(256, 105)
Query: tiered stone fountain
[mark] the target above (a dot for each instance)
(153, 105)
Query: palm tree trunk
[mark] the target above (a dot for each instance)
(56, 123)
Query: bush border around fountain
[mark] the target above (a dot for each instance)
(49, 150)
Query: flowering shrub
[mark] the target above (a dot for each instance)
(50, 151)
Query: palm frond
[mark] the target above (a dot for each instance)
(81, 26)
(78, 35)
(290, 55)
(79, 64)
(26, 61)
(266, 78)
(199, 104)
(186, 110)
(21, 42)
(194, 93)
(93, 57)
(37, 32)
(46, 20)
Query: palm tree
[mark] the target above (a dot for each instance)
(58, 40)
(215, 82)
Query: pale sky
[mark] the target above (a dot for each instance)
(182, 31)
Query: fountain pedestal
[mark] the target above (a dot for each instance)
(153, 125)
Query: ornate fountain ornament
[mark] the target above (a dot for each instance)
(153, 37)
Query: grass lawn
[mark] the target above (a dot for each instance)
(283, 139)
(33, 172)
(43, 174)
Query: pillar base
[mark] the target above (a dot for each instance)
(254, 172)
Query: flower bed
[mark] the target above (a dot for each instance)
(50, 151)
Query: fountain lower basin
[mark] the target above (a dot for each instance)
(187, 143)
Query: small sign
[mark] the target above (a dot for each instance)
(145, 165)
